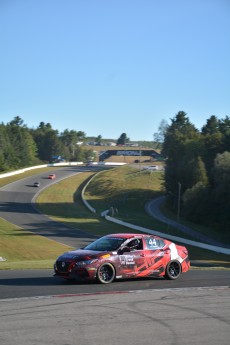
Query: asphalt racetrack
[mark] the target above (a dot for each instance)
(37, 308)
(16, 207)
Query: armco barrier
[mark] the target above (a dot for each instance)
(216, 249)
(83, 199)
(170, 237)
(39, 166)
(20, 171)
(83, 192)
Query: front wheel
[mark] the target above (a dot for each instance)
(106, 273)
(173, 270)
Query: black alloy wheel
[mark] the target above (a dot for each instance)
(106, 273)
(173, 270)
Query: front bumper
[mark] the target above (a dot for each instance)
(75, 273)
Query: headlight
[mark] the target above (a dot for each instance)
(87, 262)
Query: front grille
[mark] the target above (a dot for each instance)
(62, 266)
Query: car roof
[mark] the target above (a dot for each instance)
(130, 235)
(123, 235)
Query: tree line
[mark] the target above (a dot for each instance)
(21, 146)
(197, 170)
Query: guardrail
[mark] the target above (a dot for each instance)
(170, 237)
(104, 214)
(82, 195)
(20, 171)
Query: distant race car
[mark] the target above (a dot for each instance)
(52, 176)
(122, 256)
(36, 184)
(151, 167)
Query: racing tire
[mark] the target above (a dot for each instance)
(106, 273)
(173, 270)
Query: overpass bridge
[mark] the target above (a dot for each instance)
(103, 155)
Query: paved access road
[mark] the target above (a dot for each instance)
(153, 209)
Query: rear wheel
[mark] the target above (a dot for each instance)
(173, 270)
(106, 273)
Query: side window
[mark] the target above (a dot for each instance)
(161, 243)
(153, 243)
(135, 244)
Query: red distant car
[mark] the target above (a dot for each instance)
(52, 176)
(118, 256)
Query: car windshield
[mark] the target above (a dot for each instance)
(106, 244)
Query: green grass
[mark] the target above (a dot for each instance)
(63, 203)
(127, 190)
(23, 249)
(124, 188)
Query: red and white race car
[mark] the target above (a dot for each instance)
(122, 256)
(52, 176)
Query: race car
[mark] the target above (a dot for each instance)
(122, 256)
(52, 176)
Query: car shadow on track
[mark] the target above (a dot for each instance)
(52, 281)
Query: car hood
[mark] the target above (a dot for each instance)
(82, 254)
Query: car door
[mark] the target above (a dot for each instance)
(132, 258)
(154, 257)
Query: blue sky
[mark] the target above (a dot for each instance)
(108, 67)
